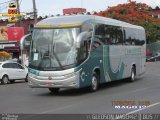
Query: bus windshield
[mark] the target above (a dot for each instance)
(53, 49)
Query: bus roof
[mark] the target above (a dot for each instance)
(77, 20)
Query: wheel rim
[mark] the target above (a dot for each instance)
(94, 83)
(5, 80)
(133, 75)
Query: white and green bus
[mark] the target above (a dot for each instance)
(84, 51)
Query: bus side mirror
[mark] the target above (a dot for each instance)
(22, 41)
(81, 38)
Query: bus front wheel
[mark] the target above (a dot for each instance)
(94, 83)
(54, 90)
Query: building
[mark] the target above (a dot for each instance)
(11, 45)
(74, 10)
(155, 13)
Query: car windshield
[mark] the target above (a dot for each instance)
(53, 48)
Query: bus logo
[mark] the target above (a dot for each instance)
(49, 78)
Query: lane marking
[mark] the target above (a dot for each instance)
(143, 108)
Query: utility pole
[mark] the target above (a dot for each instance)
(81, 6)
(0, 12)
(18, 11)
(34, 11)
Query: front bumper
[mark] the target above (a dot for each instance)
(58, 82)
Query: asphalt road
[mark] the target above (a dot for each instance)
(19, 98)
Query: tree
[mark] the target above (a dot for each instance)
(157, 8)
(137, 14)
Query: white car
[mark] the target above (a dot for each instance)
(11, 71)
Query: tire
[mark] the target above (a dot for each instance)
(133, 74)
(54, 90)
(26, 79)
(94, 83)
(5, 80)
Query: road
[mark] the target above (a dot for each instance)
(19, 98)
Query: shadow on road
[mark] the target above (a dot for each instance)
(15, 82)
(84, 91)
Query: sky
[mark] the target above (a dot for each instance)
(54, 7)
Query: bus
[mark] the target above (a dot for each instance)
(79, 51)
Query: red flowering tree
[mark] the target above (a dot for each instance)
(138, 14)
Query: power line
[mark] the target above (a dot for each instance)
(6, 2)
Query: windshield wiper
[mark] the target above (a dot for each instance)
(45, 56)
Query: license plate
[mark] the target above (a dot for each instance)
(50, 84)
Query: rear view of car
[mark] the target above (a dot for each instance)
(11, 71)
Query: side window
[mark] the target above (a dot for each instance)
(85, 44)
(100, 32)
(113, 35)
(129, 36)
(88, 27)
(17, 66)
(119, 36)
(99, 37)
(134, 36)
(20, 67)
(13, 65)
(107, 35)
(6, 65)
(140, 37)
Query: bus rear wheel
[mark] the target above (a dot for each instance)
(94, 83)
(133, 74)
(54, 90)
